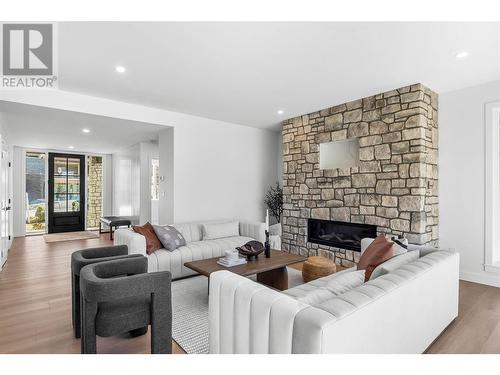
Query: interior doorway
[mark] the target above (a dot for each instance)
(5, 202)
(66, 193)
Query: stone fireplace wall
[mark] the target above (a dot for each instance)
(395, 185)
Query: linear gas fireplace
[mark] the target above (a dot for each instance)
(339, 234)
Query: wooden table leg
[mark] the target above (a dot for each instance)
(277, 278)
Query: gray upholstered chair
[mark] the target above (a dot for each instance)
(119, 296)
(81, 258)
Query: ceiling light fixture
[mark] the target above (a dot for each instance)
(86, 130)
(120, 69)
(461, 55)
(280, 112)
(71, 147)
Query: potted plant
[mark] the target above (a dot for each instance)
(274, 202)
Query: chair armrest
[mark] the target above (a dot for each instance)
(104, 251)
(136, 242)
(98, 282)
(119, 267)
(81, 258)
(254, 229)
(247, 317)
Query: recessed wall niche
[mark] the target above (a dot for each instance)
(339, 154)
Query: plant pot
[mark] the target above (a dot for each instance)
(275, 229)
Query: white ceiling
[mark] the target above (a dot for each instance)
(245, 72)
(44, 128)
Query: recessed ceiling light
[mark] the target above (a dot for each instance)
(71, 147)
(86, 130)
(280, 112)
(120, 69)
(461, 55)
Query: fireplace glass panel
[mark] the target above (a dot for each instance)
(339, 234)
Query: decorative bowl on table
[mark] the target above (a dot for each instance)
(251, 249)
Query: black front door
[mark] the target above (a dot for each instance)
(66, 193)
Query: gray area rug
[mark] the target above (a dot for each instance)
(190, 311)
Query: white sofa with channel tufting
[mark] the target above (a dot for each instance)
(403, 311)
(196, 247)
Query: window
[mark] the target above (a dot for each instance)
(36, 203)
(66, 184)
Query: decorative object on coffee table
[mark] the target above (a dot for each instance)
(270, 271)
(251, 249)
(267, 246)
(316, 267)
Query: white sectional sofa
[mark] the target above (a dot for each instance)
(403, 311)
(196, 247)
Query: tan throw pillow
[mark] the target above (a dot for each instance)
(152, 241)
(378, 252)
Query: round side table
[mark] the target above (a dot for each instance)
(316, 267)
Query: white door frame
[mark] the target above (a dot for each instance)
(46, 152)
(6, 201)
(492, 188)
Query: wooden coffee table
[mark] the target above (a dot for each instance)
(270, 271)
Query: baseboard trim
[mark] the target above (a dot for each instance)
(481, 278)
(494, 268)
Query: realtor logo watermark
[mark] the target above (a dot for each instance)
(28, 56)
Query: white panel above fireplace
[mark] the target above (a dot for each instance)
(339, 154)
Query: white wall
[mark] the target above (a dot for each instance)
(222, 171)
(280, 158)
(462, 177)
(132, 180)
(107, 204)
(19, 192)
(166, 154)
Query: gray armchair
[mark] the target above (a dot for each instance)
(119, 296)
(80, 259)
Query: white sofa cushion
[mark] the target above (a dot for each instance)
(212, 231)
(320, 290)
(394, 263)
(173, 261)
(195, 249)
(411, 307)
(190, 231)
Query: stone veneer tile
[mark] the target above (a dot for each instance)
(395, 184)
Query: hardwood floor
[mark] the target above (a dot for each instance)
(35, 307)
(35, 301)
(477, 327)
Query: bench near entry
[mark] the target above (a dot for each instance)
(116, 222)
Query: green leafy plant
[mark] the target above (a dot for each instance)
(38, 220)
(40, 214)
(274, 201)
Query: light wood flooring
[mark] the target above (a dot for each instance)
(35, 301)
(35, 307)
